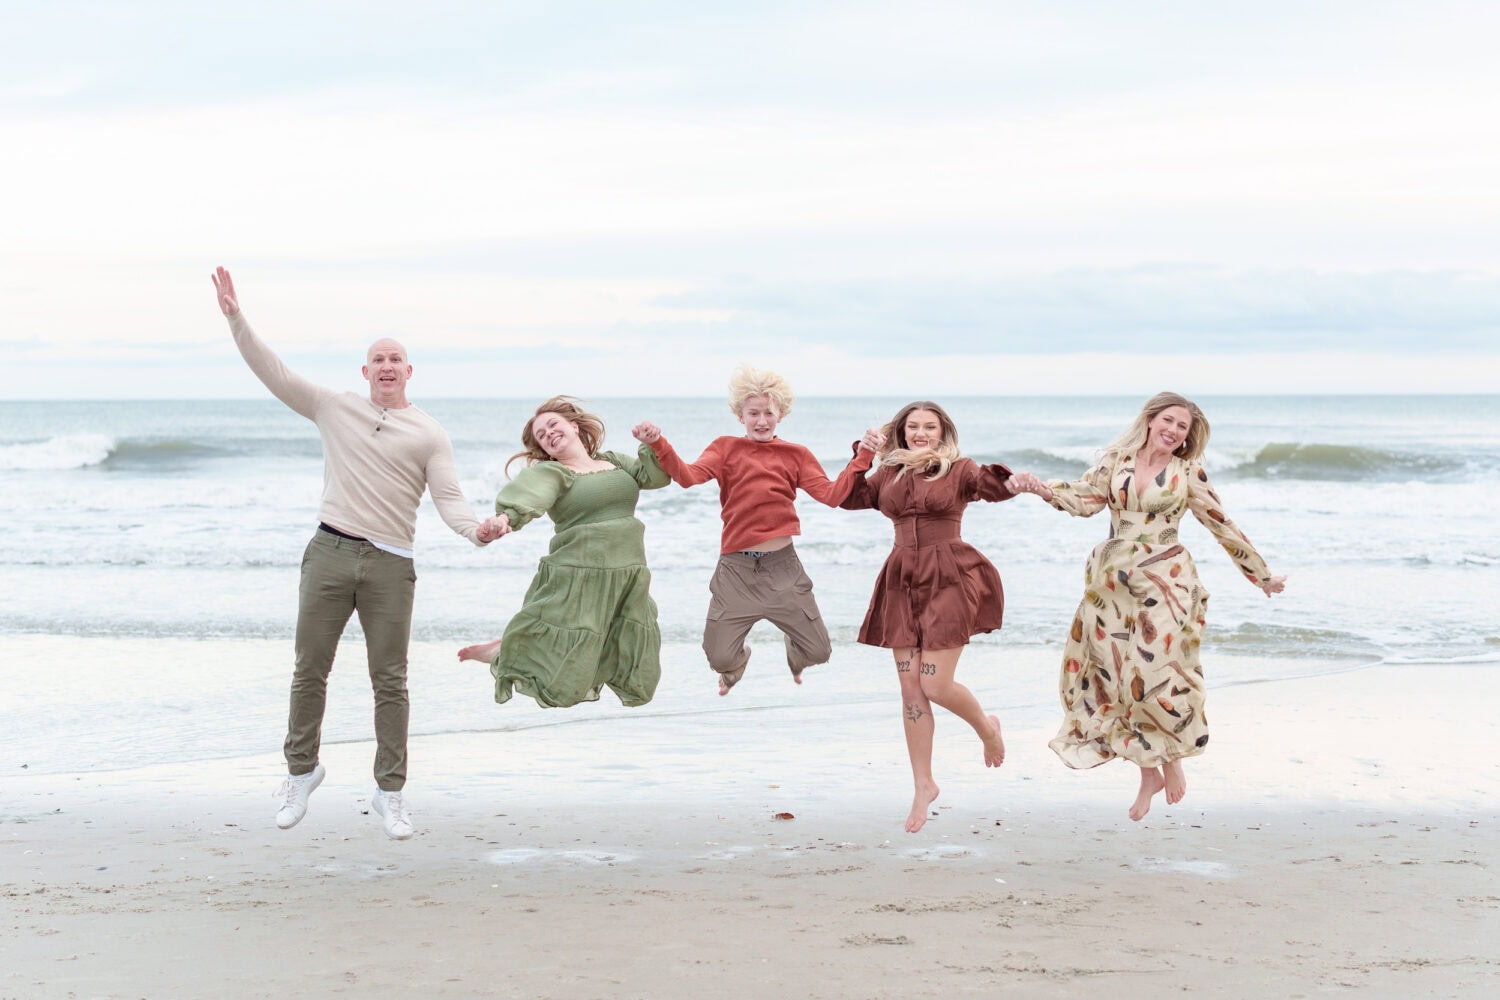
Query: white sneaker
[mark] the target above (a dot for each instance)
(393, 812)
(294, 793)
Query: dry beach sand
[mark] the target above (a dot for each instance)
(1340, 836)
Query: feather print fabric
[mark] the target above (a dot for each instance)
(1131, 682)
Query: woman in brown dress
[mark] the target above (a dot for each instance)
(1131, 682)
(935, 590)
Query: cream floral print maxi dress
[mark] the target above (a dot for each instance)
(1131, 682)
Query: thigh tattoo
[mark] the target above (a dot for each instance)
(929, 669)
(903, 666)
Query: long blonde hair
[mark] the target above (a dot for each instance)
(590, 431)
(747, 382)
(1130, 442)
(897, 454)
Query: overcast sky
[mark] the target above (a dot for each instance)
(873, 198)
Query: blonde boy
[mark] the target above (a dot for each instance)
(759, 577)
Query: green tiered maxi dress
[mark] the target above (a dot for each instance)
(588, 620)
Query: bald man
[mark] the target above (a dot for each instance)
(379, 454)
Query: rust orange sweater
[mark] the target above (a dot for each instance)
(758, 482)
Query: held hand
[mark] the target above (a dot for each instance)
(224, 286)
(646, 432)
(1027, 482)
(873, 440)
(1275, 585)
(494, 528)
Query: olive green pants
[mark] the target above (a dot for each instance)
(341, 576)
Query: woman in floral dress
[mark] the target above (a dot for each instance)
(1131, 682)
(588, 620)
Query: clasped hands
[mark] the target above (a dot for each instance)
(492, 528)
(1028, 482)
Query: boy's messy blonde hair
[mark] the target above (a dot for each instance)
(747, 382)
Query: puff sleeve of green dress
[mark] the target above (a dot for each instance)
(587, 621)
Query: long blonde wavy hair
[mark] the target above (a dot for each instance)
(897, 454)
(1130, 442)
(590, 431)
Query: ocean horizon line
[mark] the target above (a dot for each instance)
(253, 396)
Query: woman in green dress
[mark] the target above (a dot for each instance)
(588, 620)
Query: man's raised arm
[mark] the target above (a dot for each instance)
(285, 384)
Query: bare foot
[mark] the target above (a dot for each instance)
(1176, 780)
(1151, 783)
(917, 818)
(730, 678)
(994, 748)
(483, 652)
(797, 676)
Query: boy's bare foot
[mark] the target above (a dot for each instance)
(729, 679)
(483, 652)
(1176, 779)
(924, 797)
(994, 747)
(1151, 783)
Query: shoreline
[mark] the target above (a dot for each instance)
(216, 699)
(642, 858)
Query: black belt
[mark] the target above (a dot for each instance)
(322, 526)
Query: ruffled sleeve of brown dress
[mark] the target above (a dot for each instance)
(935, 590)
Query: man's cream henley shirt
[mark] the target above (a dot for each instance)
(376, 461)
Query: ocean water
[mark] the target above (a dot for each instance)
(186, 520)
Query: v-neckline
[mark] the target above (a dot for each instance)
(1139, 487)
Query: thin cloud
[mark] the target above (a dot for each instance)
(1201, 308)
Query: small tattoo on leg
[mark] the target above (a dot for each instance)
(903, 666)
(929, 668)
(914, 713)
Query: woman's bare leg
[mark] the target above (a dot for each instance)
(916, 713)
(936, 676)
(1151, 783)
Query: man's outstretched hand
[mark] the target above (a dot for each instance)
(224, 285)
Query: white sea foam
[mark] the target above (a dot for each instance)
(1444, 660)
(1183, 866)
(66, 451)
